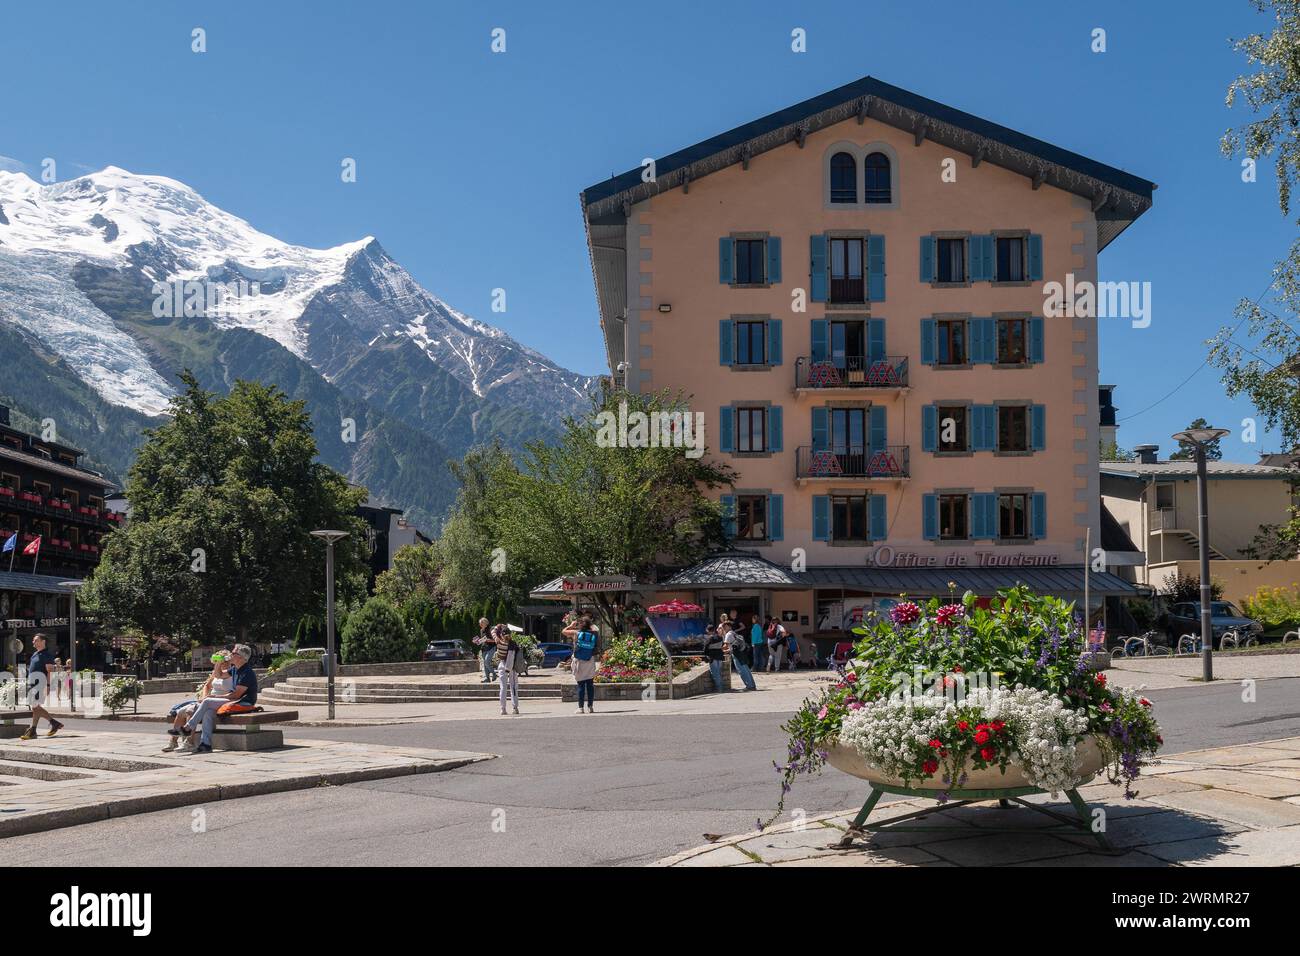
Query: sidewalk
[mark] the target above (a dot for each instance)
(1232, 806)
(84, 776)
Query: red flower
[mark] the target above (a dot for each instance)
(930, 766)
(963, 726)
(850, 677)
(948, 614)
(1101, 678)
(982, 737)
(1144, 702)
(988, 753)
(956, 670)
(998, 725)
(936, 743)
(905, 613)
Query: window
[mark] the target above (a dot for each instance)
(751, 517)
(951, 266)
(751, 343)
(848, 341)
(751, 259)
(844, 178)
(1013, 516)
(751, 429)
(953, 520)
(876, 168)
(951, 341)
(1011, 342)
(1013, 428)
(953, 429)
(849, 518)
(1011, 260)
(847, 256)
(10, 481)
(848, 430)
(1165, 495)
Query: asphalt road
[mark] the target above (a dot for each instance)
(602, 790)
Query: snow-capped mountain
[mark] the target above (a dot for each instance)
(125, 279)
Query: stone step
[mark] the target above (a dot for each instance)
(372, 686)
(286, 699)
(40, 771)
(29, 753)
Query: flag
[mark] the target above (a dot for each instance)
(33, 546)
(10, 543)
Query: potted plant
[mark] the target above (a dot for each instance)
(950, 699)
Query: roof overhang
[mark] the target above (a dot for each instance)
(1117, 197)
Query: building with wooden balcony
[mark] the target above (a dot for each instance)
(853, 291)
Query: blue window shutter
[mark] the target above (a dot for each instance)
(1036, 340)
(817, 249)
(1038, 514)
(980, 526)
(879, 521)
(982, 431)
(726, 342)
(977, 260)
(821, 333)
(773, 259)
(929, 427)
(983, 341)
(821, 427)
(728, 503)
(875, 268)
(821, 518)
(726, 422)
(1037, 427)
(927, 258)
(974, 341)
(988, 258)
(724, 260)
(927, 341)
(775, 517)
(775, 429)
(930, 517)
(773, 341)
(876, 339)
(879, 435)
(1035, 257)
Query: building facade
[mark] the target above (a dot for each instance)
(852, 291)
(45, 493)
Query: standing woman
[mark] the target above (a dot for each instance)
(583, 662)
(506, 653)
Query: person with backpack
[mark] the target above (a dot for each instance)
(740, 649)
(775, 636)
(714, 653)
(583, 663)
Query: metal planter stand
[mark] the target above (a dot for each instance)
(1079, 823)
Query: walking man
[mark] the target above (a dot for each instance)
(40, 672)
(487, 646)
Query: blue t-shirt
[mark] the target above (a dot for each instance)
(756, 634)
(245, 677)
(36, 670)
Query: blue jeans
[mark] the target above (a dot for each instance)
(207, 715)
(715, 671)
(489, 667)
(176, 709)
(760, 656)
(742, 669)
(587, 689)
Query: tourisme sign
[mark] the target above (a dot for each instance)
(887, 557)
(595, 585)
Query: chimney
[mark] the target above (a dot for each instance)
(1146, 453)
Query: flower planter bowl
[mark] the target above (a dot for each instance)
(847, 760)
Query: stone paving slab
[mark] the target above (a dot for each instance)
(134, 776)
(1228, 806)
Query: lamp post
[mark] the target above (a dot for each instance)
(329, 537)
(1198, 438)
(73, 587)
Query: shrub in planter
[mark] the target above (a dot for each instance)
(121, 691)
(376, 634)
(630, 651)
(933, 691)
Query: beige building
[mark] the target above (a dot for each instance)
(1154, 504)
(853, 291)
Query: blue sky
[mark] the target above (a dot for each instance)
(469, 164)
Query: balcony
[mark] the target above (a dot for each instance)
(52, 507)
(889, 463)
(848, 291)
(851, 373)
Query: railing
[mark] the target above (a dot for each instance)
(1164, 519)
(34, 504)
(852, 371)
(848, 290)
(890, 461)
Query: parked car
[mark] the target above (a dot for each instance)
(555, 654)
(1185, 618)
(444, 651)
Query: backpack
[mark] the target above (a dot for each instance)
(585, 646)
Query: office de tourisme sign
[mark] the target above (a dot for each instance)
(887, 557)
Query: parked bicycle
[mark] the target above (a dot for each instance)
(1190, 644)
(1233, 639)
(1142, 646)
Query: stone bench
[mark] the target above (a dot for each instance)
(8, 728)
(245, 731)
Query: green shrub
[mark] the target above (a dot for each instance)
(1274, 607)
(628, 650)
(120, 691)
(376, 634)
(1182, 588)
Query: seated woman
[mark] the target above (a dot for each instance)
(218, 683)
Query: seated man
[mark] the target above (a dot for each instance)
(241, 699)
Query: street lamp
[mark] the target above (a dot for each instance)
(1198, 438)
(329, 537)
(73, 587)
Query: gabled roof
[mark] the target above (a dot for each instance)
(1117, 197)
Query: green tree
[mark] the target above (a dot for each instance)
(1187, 451)
(412, 576)
(224, 496)
(376, 634)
